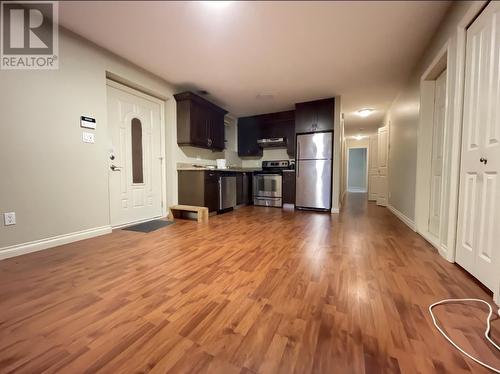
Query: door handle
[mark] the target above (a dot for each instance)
(298, 158)
(115, 168)
(483, 160)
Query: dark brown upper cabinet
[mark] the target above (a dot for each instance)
(314, 116)
(249, 130)
(199, 122)
(271, 125)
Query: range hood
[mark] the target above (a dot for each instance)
(271, 142)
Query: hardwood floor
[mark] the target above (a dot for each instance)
(258, 290)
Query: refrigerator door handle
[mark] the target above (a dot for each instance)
(298, 158)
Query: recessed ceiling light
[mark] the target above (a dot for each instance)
(365, 112)
(217, 4)
(264, 97)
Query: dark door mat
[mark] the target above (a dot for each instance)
(149, 226)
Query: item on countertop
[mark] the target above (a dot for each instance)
(221, 163)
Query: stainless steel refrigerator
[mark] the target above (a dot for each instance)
(314, 171)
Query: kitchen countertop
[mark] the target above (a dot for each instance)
(233, 169)
(237, 169)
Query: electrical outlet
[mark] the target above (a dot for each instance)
(9, 218)
(88, 137)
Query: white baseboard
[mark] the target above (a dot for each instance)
(407, 221)
(335, 210)
(434, 241)
(443, 251)
(39, 245)
(431, 239)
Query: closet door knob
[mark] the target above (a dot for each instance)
(483, 160)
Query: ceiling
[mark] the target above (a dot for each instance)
(261, 57)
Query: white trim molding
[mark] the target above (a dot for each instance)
(39, 245)
(407, 221)
(428, 80)
(335, 210)
(443, 250)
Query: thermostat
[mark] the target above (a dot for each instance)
(87, 122)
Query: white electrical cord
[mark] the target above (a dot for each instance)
(486, 333)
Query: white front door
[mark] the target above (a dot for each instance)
(478, 234)
(437, 155)
(135, 155)
(383, 158)
(373, 168)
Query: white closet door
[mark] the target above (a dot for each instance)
(383, 158)
(478, 237)
(437, 155)
(373, 168)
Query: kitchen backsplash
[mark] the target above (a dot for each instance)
(270, 154)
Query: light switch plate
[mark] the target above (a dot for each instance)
(88, 137)
(9, 218)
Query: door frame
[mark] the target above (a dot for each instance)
(457, 125)
(474, 11)
(456, 58)
(387, 125)
(424, 149)
(455, 49)
(163, 176)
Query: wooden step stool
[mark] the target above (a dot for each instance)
(176, 210)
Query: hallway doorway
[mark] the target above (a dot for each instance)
(357, 170)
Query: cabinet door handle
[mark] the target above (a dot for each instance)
(483, 160)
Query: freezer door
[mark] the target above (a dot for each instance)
(314, 146)
(313, 184)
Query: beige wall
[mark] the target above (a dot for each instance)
(403, 117)
(54, 182)
(402, 120)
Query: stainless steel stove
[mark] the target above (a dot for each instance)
(267, 184)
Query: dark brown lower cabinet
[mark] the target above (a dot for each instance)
(289, 187)
(199, 188)
(244, 188)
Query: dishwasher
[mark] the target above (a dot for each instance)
(227, 192)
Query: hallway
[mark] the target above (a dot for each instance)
(286, 291)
